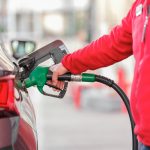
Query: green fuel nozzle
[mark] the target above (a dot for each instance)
(41, 75)
(36, 78)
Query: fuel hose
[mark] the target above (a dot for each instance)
(86, 77)
(125, 99)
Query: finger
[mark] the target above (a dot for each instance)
(58, 86)
(62, 85)
(55, 78)
(55, 89)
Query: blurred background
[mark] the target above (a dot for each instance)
(91, 116)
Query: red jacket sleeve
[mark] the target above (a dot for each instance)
(103, 52)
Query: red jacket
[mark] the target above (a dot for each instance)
(123, 41)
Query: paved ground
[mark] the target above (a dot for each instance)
(62, 127)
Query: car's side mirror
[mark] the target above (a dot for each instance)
(22, 47)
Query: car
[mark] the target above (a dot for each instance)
(17, 116)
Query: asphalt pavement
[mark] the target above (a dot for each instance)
(62, 127)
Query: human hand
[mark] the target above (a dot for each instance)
(57, 70)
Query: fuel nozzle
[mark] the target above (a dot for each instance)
(41, 75)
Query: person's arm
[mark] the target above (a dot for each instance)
(103, 52)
